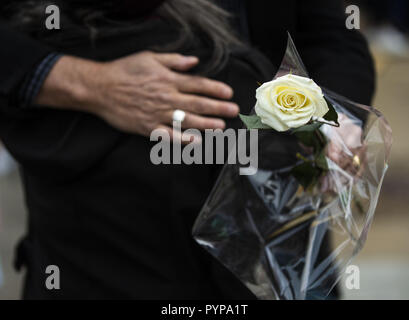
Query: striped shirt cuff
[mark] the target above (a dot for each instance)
(33, 82)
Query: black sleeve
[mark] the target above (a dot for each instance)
(19, 55)
(336, 57)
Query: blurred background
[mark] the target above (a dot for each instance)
(384, 261)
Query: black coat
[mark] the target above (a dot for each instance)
(117, 225)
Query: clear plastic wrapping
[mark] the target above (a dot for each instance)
(286, 242)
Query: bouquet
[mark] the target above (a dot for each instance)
(322, 159)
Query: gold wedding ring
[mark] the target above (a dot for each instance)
(356, 161)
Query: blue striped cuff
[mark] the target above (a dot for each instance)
(32, 83)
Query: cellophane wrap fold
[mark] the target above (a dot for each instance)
(284, 242)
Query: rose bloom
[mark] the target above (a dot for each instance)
(289, 102)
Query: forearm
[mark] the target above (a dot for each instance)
(70, 85)
(137, 93)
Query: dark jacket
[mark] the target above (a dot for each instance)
(336, 57)
(117, 225)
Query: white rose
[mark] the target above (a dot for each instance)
(289, 102)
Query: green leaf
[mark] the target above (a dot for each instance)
(306, 174)
(305, 134)
(306, 138)
(308, 127)
(321, 160)
(331, 115)
(312, 139)
(253, 122)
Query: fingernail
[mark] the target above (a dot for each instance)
(227, 92)
(192, 59)
(233, 108)
(219, 124)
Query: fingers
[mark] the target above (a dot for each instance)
(193, 84)
(204, 86)
(202, 123)
(176, 61)
(206, 106)
(191, 121)
(359, 168)
(198, 86)
(175, 135)
(346, 161)
(196, 121)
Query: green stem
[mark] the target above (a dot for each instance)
(300, 156)
(321, 137)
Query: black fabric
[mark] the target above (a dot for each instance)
(32, 84)
(238, 16)
(117, 225)
(335, 57)
(19, 54)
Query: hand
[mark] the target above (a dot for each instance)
(346, 147)
(347, 150)
(138, 93)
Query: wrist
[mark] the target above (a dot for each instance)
(70, 84)
(30, 87)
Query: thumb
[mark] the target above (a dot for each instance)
(176, 61)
